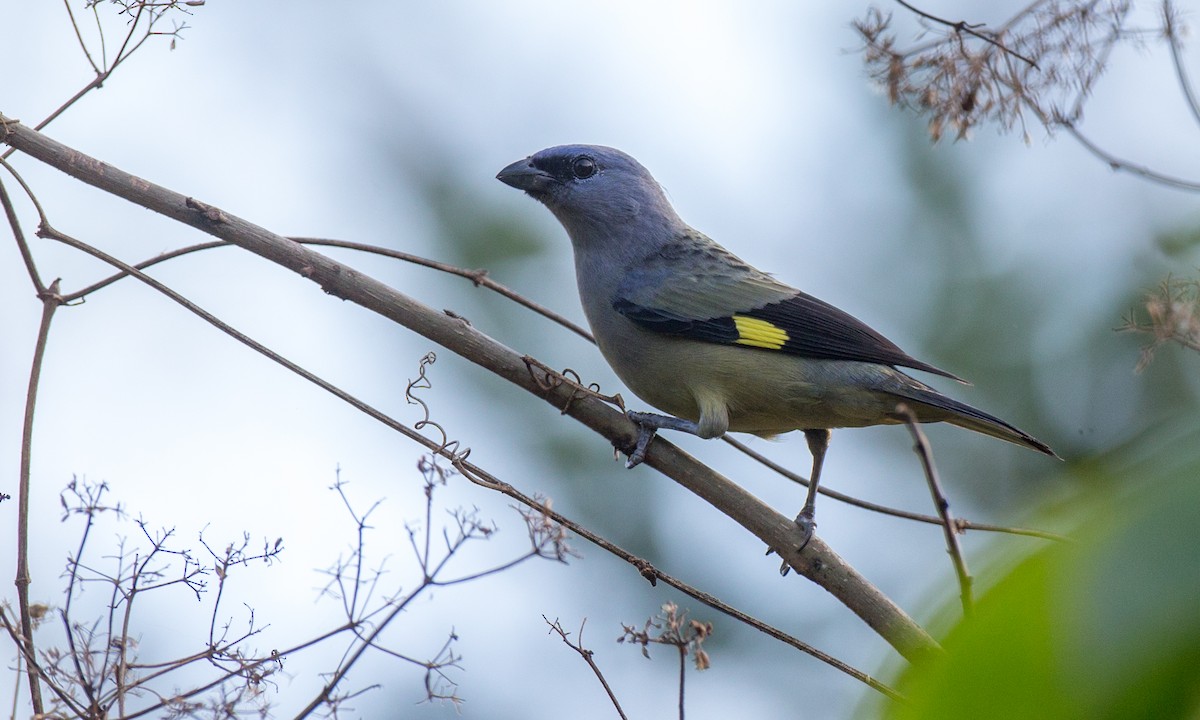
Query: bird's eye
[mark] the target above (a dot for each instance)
(583, 167)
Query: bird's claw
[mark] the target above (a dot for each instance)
(807, 526)
(645, 435)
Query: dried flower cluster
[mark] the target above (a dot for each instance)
(1044, 61)
(1172, 315)
(676, 629)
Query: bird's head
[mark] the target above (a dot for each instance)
(591, 188)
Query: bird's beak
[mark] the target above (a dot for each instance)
(524, 176)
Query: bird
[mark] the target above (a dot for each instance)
(709, 340)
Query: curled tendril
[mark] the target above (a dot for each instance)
(446, 446)
(548, 379)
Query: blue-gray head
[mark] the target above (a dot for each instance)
(593, 190)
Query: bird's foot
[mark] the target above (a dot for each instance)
(807, 526)
(646, 432)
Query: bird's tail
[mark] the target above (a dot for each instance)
(934, 407)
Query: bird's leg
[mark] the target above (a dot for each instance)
(649, 424)
(818, 443)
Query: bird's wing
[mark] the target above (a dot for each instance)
(696, 289)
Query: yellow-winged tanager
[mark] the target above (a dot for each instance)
(696, 332)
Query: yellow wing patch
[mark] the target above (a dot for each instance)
(759, 333)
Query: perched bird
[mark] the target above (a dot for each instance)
(719, 345)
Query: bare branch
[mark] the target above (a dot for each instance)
(962, 26)
(51, 301)
(586, 654)
(921, 447)
(1171, 32)
(33, 667)
(14, 224)
(961, 524)
(1120, 165)
(79, 37)
(478, 277)
(153, 11)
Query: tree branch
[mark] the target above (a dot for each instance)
(50, 302)
(960, 524)
(1117, 164)
(1171, 32)
(586, 654)
(816, 561)
(962, 26)
(953, 547)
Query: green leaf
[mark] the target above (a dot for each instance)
(1107, 626)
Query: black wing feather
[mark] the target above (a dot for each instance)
(716, 330)
(815, 329)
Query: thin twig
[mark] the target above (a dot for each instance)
(133, 24)
(37, 205)
(50, 302)
(100, 284)
(682, 676)
(1116, 163)
(33, 667)
(962, 26)
(121, 671)
(72, 584)
(1171, 32)
(14, 223)
(586, 654)
(79, 36)
(652, 574)
(397, 606)
(961, 524)
(921, 447)
(103, 71)
(51, 233)
(479, 277)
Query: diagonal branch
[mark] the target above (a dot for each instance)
(586, 654)
(10, 214)
(960, 524)
(953, 547)
(962, 26)
(815, 561)
(1118, 164)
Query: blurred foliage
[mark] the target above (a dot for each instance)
(1180, 242)
(478, 235)
(988, 325)
(1169, 314)
(974, 320)
(1102, 627)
